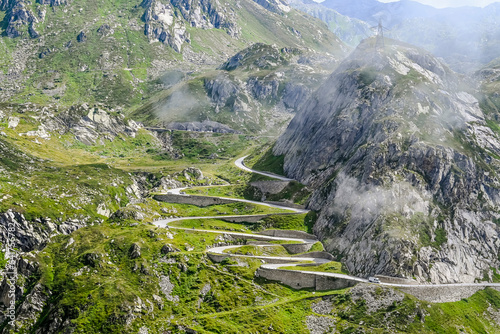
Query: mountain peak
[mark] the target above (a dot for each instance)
(396, 146)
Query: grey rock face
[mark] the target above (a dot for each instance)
(33, 33)
(295, 95)
(275, 6)
(134, 251)
(164, 25)
(221, 89)
(25, 268)
(404, 166)
(6, 5)
(88, 124)
(53, 2)
(82, 37)
(263, 89)
(168, 248)
(19, 15)
(28, 236)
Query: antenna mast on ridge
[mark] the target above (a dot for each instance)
(380, 36)
(380, 43)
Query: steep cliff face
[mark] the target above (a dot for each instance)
(404, 165)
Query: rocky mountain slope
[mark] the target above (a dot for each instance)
(69, 52)
(256, 90)
(405, 167)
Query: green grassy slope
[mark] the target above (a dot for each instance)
(121, 68)
(97, 286)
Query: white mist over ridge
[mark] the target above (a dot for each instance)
(444, 3)
(450, 3)
(467, 38)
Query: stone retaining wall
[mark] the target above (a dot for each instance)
(270, 187)
(299, 280)
(287, 204)
(289, 234)
(297, 248)
(291, 278)
(243, 219)
(319, 255)
(201, 201)
(218, 258)
(333, 283)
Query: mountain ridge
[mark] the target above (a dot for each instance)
(399, 152)
(117, 54)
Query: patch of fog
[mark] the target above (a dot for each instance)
(171, 78)
(366, 202)
(179, 103)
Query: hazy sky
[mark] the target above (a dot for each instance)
(451, 3)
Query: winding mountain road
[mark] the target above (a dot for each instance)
(239, 163)
(222, 250)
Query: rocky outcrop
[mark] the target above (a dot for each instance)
(261, 56)
(27, 236)
(275, 6)
(82, 37)
(221, 89)
(105, 30)
(89, 124)
(53, 2)
(19, 17)
(134, 251)
(283, 87)
(168, 248)
(263, 89)
(161, 26)
(6, 5)
(164, 25)
(404, 167)
(32, 304)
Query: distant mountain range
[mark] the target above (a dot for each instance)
(463, 36)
